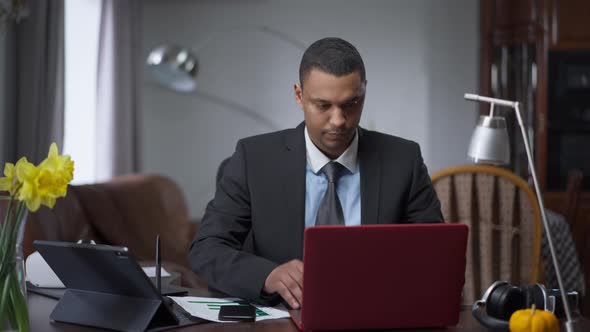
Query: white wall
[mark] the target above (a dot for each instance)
(420, 57)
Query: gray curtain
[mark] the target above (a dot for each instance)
(118, 100)
(32, 70)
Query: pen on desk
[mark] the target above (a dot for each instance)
(158, 265)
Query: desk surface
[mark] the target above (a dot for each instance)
(40, 308)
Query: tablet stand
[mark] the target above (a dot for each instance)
(111, 311)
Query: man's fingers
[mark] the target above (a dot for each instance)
(297, 277)
(294, 286)
(299, 265)
(287, 280)
(294, 279)
(298, 293)
(272, 283)
(285, 293)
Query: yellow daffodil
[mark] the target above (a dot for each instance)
(56, 172)
(39, 185)
(27, 175)
(7, 183)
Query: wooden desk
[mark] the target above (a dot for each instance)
(40, 307)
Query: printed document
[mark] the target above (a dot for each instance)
(208, 308)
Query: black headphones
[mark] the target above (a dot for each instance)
(502, 299)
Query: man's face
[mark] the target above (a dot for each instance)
(332, 107)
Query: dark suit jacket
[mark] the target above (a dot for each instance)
(262, 195)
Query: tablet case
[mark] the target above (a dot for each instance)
(106, 288)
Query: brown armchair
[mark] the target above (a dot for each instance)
(128, 211)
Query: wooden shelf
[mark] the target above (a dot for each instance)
(547, 26)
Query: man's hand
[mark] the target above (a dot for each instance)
(287, 280)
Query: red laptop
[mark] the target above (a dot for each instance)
(382, 276)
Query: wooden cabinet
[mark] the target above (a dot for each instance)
(513, 56)
(569, 22)
(513, 22)
(518, 38)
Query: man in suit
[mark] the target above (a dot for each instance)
(325, 171)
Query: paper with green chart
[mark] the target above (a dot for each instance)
(208, 308)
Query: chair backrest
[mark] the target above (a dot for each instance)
(504, 221)
(67, 221)
(132, 209)
(129, 210)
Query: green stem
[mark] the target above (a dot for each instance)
(7, 222)
(11, 200)
(11, 317)
(5, 244)
(4, 294)
(8, 240)
(19, 216)
(7, 254)
(19, 305)
(3, 198)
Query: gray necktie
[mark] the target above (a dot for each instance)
(330, 210)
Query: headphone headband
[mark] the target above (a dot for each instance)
(490, 289)
(486, 320)
(501, 299)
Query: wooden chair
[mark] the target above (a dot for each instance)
(504, 220)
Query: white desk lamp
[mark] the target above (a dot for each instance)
(489, 144)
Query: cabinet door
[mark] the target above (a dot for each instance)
(510, 22)
(570, 24)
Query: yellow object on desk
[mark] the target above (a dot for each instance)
(533, 320)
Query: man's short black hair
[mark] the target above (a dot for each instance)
(333, 56)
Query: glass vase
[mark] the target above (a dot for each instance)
(13, 293)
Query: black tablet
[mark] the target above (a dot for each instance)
(97, 268)
(106, 288)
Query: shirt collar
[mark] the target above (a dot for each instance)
(317, 159)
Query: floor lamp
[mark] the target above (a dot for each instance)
(489, 144)
(176, 68)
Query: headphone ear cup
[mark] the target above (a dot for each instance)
(535, 294)
(496, 300)
(504, 301)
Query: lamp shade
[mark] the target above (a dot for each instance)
(489, 143)
(173, 66)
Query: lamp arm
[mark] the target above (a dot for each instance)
(569, 323)
(229, 106)
(501, 102)
(256, 27)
